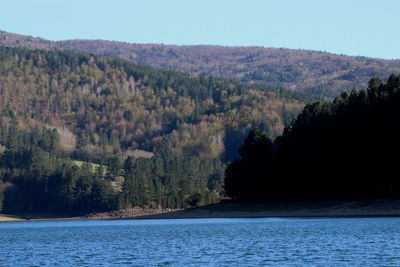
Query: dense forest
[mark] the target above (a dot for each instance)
(301, 70)
(100, 105)
(38, 177)
(347, 149)
(82, 133)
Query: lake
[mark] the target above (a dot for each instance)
(201, 242)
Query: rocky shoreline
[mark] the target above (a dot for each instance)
(128, 213)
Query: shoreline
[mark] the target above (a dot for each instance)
(325, 209)
(17, 217)
(322, 209)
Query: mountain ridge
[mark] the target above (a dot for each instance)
(322, 73)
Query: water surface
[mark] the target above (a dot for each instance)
(201, 242)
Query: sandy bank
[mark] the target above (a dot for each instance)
(34, 217)
(8, 218)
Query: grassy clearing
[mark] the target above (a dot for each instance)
(93, 166)
(117, 185)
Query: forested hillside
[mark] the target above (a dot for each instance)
(344, 150)
(158, 137)
(301, 70)
(103, 105)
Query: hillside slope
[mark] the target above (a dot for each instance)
(303, 70)
(103, 105)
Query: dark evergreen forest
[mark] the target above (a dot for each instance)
(344, 150)
(37, 176)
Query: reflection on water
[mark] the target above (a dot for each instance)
(201, 242)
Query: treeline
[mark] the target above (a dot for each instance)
(171, 182)
(342, 150)
(38, 177)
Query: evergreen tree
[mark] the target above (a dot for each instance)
(336, 151)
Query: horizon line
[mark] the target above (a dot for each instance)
(200, 44)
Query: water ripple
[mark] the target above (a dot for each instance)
(205, 242)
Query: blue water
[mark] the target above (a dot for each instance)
(202, 242)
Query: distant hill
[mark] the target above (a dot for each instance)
(303, 70)
(18, 40)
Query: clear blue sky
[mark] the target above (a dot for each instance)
(353, 27)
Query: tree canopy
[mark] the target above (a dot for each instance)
(346, 149)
